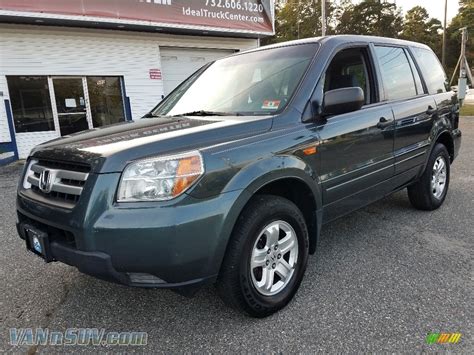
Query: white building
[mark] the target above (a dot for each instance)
(65, 69)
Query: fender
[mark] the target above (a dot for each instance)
(441, 125)
(436, 134)
(261, 173)
(256, 175)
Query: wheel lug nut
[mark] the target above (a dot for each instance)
(279, 256)
(269, 251)
(267, 262)
(274, 265)
(276, 247)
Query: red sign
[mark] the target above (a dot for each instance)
(155, 74)
(253, 16)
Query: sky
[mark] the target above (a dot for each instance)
(435, 7)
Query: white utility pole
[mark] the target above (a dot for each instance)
(323, 17)
(465, 74)
(298, 19)
(443, 53)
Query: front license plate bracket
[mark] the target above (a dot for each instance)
(38, 243)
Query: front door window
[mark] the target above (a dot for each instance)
(70, 105)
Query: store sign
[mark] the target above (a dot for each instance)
(215, 15)
(155, 74)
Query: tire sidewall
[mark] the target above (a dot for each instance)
(253, 298)
(438, 151)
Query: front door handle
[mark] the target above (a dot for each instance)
(430, 111)
(384, 123)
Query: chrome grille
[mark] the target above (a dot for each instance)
(49, 182)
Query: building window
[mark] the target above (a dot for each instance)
(31, 103)
(106, 101)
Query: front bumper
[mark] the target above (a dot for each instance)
(99, 265)
(174, 244)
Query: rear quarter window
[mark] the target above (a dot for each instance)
(431, 69)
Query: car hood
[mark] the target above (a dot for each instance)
(109, 149)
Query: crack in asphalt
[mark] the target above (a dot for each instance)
(48, 315)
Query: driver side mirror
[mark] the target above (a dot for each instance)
(342, 100)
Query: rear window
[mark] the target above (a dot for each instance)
(433, 73)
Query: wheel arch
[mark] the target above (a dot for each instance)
(283, 176)
(444, 137)
(447, 140)
(298, 192)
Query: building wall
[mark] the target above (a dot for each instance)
(41, 50)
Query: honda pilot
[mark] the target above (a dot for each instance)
(228, 180)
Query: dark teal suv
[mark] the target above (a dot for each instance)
(230, 178)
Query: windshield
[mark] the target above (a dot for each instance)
(254, 83)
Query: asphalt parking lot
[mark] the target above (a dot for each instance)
(382, 279)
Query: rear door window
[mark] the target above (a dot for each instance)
(396, 73)
(416, 74)
(433, 73)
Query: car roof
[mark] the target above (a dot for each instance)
(341, 39)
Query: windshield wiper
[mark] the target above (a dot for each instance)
(152, 115)
(206, 113)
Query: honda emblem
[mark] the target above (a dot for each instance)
(46, 181)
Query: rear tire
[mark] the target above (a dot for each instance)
(266, 257)
(429, 192)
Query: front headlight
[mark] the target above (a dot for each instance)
(161, 178)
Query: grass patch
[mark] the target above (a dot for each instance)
(467, 110)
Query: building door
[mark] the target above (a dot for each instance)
(177, 64)
(70, 105)
(46, 107)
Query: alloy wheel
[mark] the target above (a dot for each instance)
(274, 258)
(438, 178)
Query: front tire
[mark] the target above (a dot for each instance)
(429, 192)
(266, 257)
